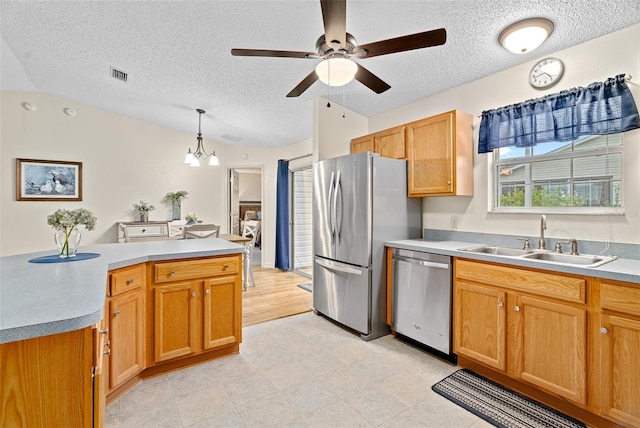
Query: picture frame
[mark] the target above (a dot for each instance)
(48, 180)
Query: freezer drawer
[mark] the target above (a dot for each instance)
(422, 298)
(343, 292)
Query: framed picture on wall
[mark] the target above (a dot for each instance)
(47, 180)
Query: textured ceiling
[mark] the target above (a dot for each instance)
(177, 54)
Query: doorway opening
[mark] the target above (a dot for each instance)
(301, 222)
(245, 203)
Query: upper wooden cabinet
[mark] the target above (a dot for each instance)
(439, 151)
(390, 143)
(363, 144)
(440, 155)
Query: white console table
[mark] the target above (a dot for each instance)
(137, 231)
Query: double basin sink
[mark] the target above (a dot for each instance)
(583, 260)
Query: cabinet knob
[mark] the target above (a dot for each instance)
(173, 272)
(116, 313)
(516, 308)
(604, 330)
(193, 293)
(449, 182)
(130, 281)
(500, 304)
(226, 267)
(208, 291)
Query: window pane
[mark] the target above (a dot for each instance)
(580, 174)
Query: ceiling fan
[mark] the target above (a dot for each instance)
(337, 43)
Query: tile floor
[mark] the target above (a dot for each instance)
(300, 371)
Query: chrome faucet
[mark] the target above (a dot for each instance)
(543, 225)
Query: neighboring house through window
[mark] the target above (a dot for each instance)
(578, 176)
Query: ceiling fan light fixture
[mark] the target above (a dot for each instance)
(526, 35)
(336, 71)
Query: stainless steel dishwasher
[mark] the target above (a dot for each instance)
(422, 299)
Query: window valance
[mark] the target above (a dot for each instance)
(600, 108)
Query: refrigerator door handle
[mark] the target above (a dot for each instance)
(338, 268)
(330, 208)
(338, 214)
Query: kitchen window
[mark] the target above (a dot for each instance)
(583, 175)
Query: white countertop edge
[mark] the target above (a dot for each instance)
(626, 270)
(32, 296)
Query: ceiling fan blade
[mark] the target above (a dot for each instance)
(370, 80)
(304, 85)
(403, 43)
(334, 15)
(272, 53)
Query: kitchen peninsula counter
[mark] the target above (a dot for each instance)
(40, 299)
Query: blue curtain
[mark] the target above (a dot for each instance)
(599, 109)
(282, 216)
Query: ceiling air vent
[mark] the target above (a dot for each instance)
(232, 138)
(117, 74)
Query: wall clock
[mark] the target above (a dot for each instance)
(546, 73)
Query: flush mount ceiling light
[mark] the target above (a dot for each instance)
(526, 35)
(336, 71)
(194, 158)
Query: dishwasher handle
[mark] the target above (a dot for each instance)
(421, 262)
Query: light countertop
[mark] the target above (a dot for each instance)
(627, 270)
(39, 299)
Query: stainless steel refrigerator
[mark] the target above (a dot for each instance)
(359, 202)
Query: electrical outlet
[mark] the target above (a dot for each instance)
(454, 222)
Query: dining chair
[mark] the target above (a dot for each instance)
(199, 231)
(251, 229)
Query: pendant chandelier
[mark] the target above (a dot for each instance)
(194, 158)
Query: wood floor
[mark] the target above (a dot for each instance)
(276, 295)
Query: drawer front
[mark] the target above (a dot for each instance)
(542, 283)
(617, 297)
(191, 269)
(123, 280)
(145, 231)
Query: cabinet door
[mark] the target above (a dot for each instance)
(391, 143)
(126, 320)
(619, 374)
(362, 144)
(431, 157)
(221, 313)
(480, 324)
(175, 320)
(550, 346)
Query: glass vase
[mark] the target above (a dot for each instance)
(144, 215)
(175, 209)
(67, 242)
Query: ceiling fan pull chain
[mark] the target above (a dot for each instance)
(343, 103)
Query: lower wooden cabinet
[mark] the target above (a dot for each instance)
(200, 311)
(174, 322)
(618, 335)
(159, 315)
(126, 337)
(480, 324)
(530, 326)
